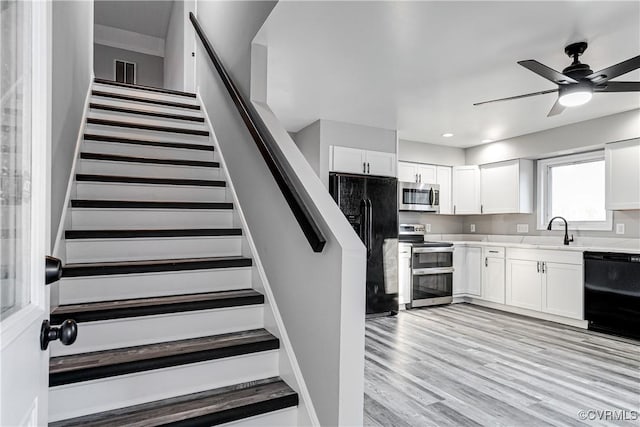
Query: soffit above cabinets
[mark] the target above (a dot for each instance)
(419, 66)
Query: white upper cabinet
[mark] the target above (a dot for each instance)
(622, 171)
(427, 174)
(506, 187)
(466, 190)
(443, 179)
(354, 160)
(407, 172)
(417, 172)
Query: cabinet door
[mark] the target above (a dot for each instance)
(459, 270)
(499, 187)
(466, 190)
(349, 160)
(563, 290)
(524, 284)
(404, 274)
(443, 179)
(427, 174)
(473, 270)
(407, 172)
(380, 163)
(622, 172)
(493, 280)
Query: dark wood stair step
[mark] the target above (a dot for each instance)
(119, 309)
(108, 363)
(160, 232)
(143, 87)
(207, 408)
(151, 143)
(96, 106)
(152, 266)
(143, 180)
(133, 204)
(145, 100)
(133, 125)
(148, 160)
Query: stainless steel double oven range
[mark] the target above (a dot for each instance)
(431, 268)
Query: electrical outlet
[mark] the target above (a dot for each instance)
(522, 228)
(620, 228)
(472, 228)
(427, 228)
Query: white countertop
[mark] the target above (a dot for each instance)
(582, 244)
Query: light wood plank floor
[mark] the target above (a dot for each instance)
(464, 365)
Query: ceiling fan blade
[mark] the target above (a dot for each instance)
(618, 87)
(556, 109)
(518, 96)
(546, 72)
(609, 73)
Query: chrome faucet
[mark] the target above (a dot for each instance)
(566, 229)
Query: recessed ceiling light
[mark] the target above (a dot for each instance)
(484, 141)
(447, 135)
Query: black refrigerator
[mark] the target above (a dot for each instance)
(370, 204)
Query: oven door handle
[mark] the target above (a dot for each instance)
(432, 249)
(430, 271)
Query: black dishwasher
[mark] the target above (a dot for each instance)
(612, 292)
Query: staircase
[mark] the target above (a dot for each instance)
(159, 279)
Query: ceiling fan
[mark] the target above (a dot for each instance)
(577, 82)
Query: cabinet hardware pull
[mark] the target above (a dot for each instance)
(544, 267)
(364, 167)
(420, 178)
(486, 261)
(416, 177)
(481, 208)
(538, 265)
(454, 209)
(368, 167)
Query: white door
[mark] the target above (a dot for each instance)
(24, 114)
(443, 179)
(407, 172)
(493, 280)
(350, 160)
(524, 284)
(381, 163)
(563, 290)
(466, 190)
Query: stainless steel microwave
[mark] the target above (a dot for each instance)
(416, 196)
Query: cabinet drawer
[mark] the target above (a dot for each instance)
(564, 257)
(493, 252)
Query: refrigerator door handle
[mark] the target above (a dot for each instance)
(363, 222)
(370, 227)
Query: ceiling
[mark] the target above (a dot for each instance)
(419, 66)
(144, 17)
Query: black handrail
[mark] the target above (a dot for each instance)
(267, 146)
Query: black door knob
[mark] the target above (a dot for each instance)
(66, 333)
(52, 270)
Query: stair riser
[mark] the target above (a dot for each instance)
(105, 250)
(144, 107)
(147, 134)
(282, 418)
(140, 93)
(77, 399)
(132, 331)
(132, 219)
(103, 167)
(146, 151)
(147, 120)
(107, 288)
(149, 192)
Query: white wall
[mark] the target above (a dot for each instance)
(174, 48)
(72, 65)
(149, 68)
(308, 141)
(320, 296)
(421, 152)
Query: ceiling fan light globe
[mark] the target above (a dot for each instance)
(575, 98)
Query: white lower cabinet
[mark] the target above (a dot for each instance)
(467, 273)
(493, 278)
(563, 290)
(524, 284)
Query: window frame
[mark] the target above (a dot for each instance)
(544, 193)
(135, 70)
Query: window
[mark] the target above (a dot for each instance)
(124, 72)
(573, 187)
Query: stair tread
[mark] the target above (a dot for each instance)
(153, 143)
(126, 110)
(134, 159)
(134, 204)
(143, 87)
(81, 177)
(104, 310)
(161, 232)
(143, 99)
(211, 407)
(148, 266)
(120, 361)
(135, 125)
